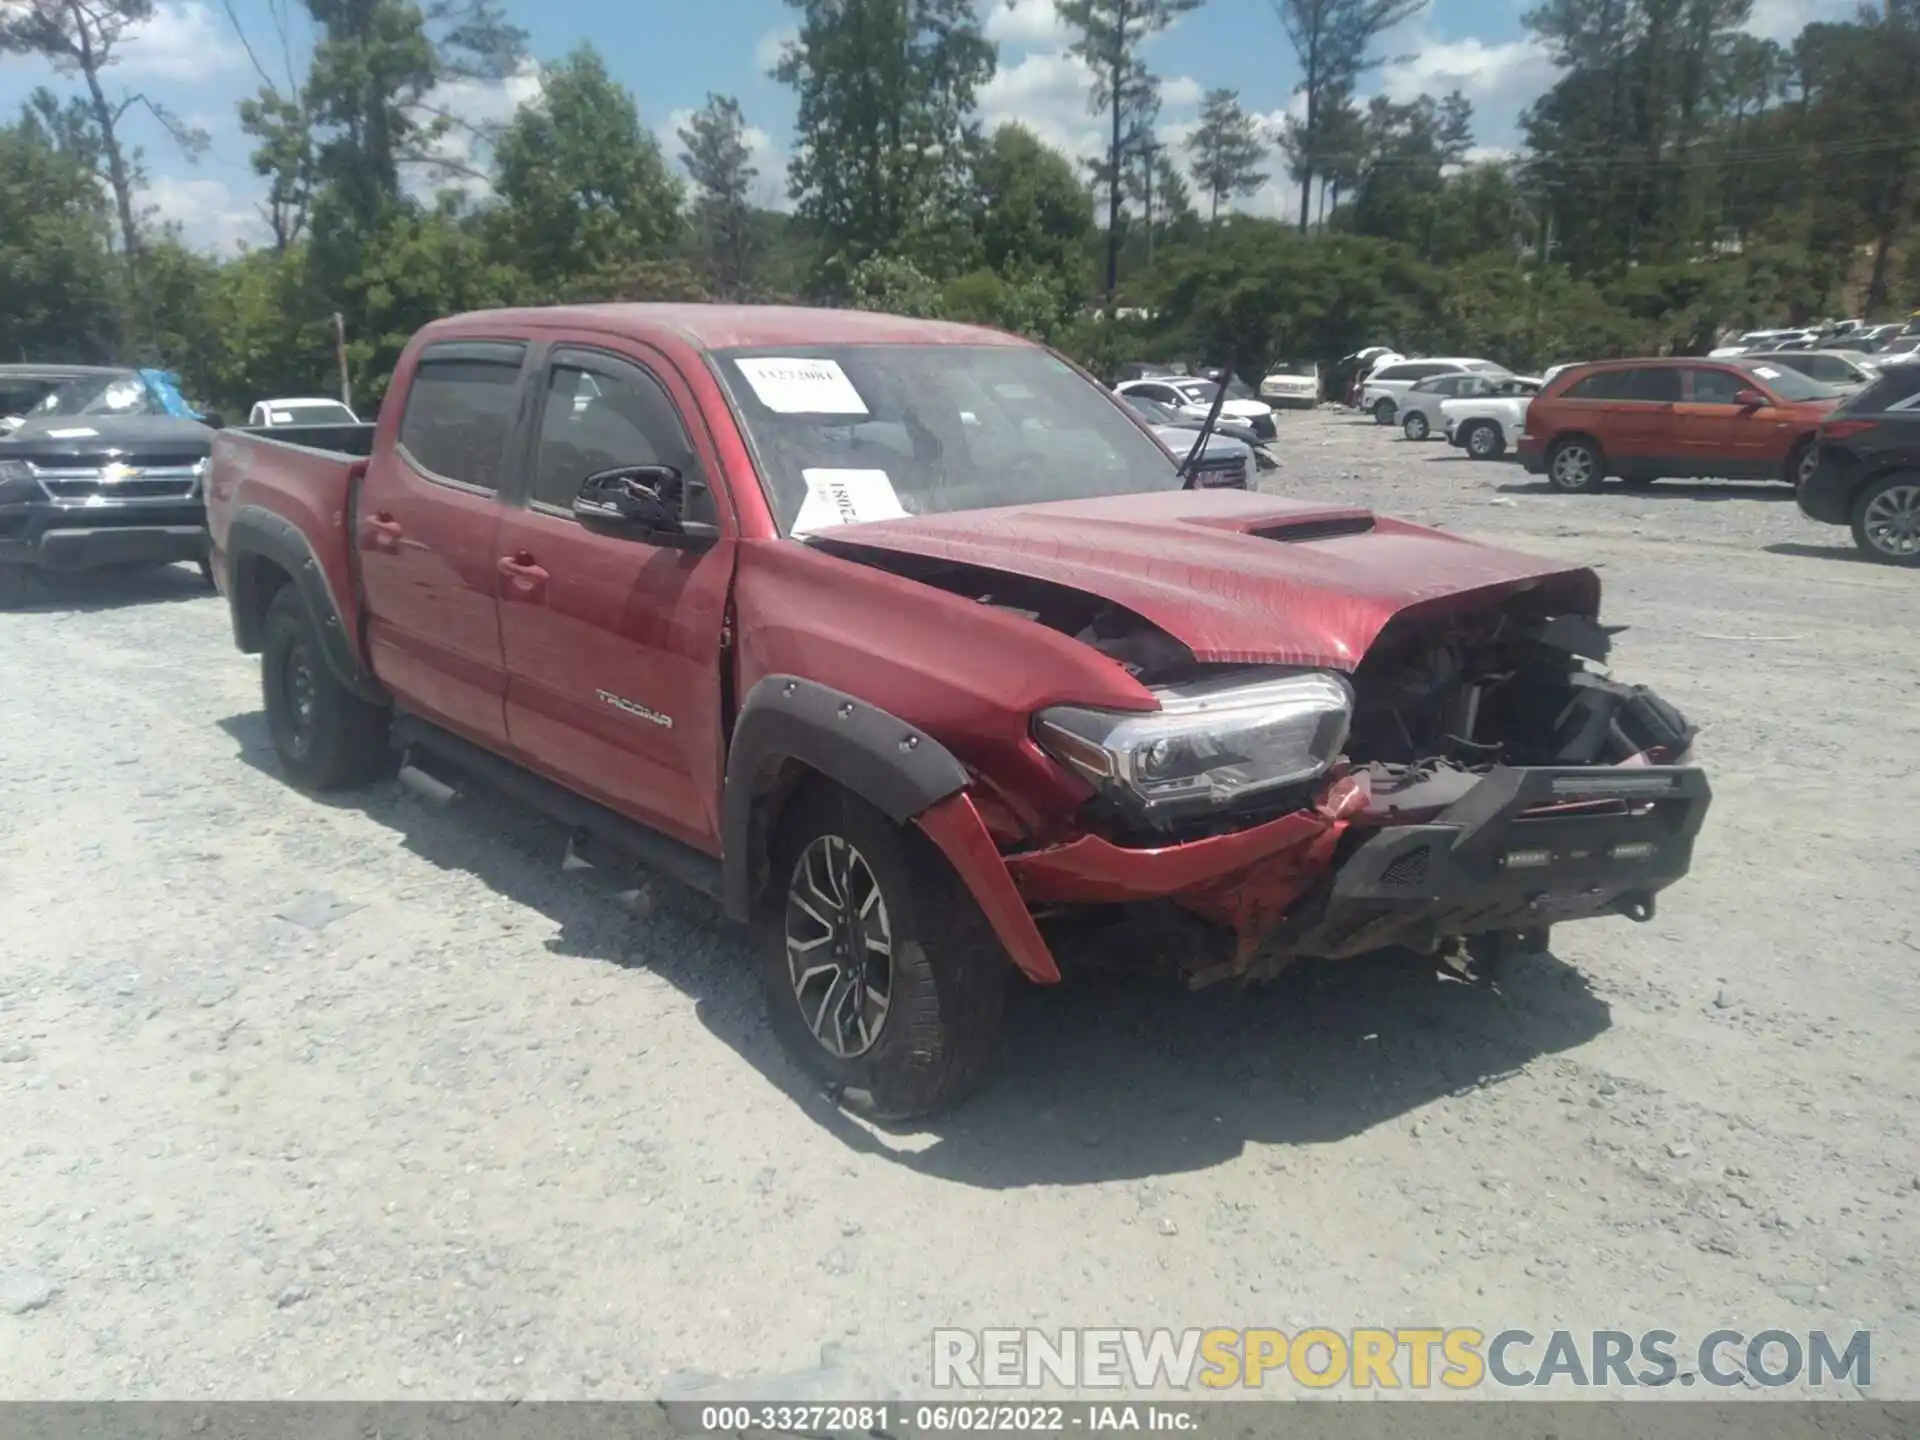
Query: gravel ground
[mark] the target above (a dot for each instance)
(374, 1099)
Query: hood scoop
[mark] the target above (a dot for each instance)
(1325, 527)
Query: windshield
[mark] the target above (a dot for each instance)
(1792, 385)
(1292, 367)
(99, 395)
(329, 413)
(850, 433)
(1486, 367)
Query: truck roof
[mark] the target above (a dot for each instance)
(725, 327)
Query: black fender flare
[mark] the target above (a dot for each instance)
(896, 767)
(256, 533)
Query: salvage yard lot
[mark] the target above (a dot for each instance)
(371, 1098)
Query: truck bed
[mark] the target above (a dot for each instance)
(297, 480)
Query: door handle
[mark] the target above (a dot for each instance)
(526, 579)
(384, 532)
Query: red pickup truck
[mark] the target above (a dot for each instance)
(909, 643)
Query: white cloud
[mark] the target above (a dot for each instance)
(1504, 76)
(1023, 22)
(209, 214)
(1046, 92)
(183, 41)
(1784, 19)
(1182, 92)
(479, 108)
(767, 53)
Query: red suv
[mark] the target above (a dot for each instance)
(1742, 419)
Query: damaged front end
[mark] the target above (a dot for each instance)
(1472, 777)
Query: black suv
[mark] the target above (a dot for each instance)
(103, 471)
(1867, 468)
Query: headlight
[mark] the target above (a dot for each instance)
(1209, 744)
(17, 483)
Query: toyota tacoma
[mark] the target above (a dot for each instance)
(910, 644)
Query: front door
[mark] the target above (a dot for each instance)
(425, 529)
(1707, 421)
(1640, 426)
(613, 646)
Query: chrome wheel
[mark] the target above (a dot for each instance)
(1483, 442)
(1415, 426)
(839, 942)
(1573, 467)
(1890, 522)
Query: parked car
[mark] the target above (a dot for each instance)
(1900, 350)
(1872, 338)
(1387, 385)
(104, 472)
(1363, 363)
(1292, 383)
(270, 413)
(1745, 419)
(1224, 462)
(1844, 370)
(1159, 417)
(1867, 468)
(897, 635)
(1147, 369)
(1485, 423)
(1191, 397)
(1422, 406)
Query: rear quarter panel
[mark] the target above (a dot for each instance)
(310, 489)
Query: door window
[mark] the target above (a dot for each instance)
(1602, 385)
(603, 414)
(1661, 386)
(1716, 387)
(460, 411)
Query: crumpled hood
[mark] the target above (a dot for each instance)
(1237, 577)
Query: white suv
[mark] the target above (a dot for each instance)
(1385, 386)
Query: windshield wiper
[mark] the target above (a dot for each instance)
(1213, 418)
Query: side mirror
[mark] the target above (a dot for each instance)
(641, 502)
(1750, 399)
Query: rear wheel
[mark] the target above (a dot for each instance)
(1575, 466)
(1886, 519)
(1383, 411)
(1484, 441)
(1801, 464)
(327, 737)
(882, 977)
(1414, 427)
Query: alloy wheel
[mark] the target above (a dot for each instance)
(1481, 441)
(839, 942)
(1891, 521)
(1573, 467)
(1415, 426)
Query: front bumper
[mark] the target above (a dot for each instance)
(1531, 454)
(86, 537)
(1518, 848)
(1295, 401)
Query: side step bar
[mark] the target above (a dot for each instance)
(650, 848)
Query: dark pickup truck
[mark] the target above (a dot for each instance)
(908, 642)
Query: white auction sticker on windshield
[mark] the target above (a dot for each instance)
(792, 386)
(846, 497)
(1765, 373)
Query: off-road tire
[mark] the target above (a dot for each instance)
(1383, 409)
(327, 737)
(1491, 447)
(1560, 460)
(1415, 426)
(1886, 499)
(949, 978)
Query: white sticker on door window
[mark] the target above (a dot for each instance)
(845, 497)
(802, 387)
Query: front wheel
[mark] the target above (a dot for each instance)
(1414, 427)
(1574, 466)
(1886, 519)
(1484, 441)
(882, 977)
(1383, 411)
(327, 737)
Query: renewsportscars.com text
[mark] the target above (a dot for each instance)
(1413, 1358)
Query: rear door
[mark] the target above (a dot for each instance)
(613, 646)
(426, 531)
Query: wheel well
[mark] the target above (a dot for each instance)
(777, 788)
(256, 580)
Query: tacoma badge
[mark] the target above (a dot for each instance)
(665, 722)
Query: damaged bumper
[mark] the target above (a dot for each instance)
(1517, 848)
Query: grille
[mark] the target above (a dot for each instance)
(89, 484)
(1407, 869)
(1212, 473)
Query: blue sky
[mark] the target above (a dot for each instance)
(671, 54)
